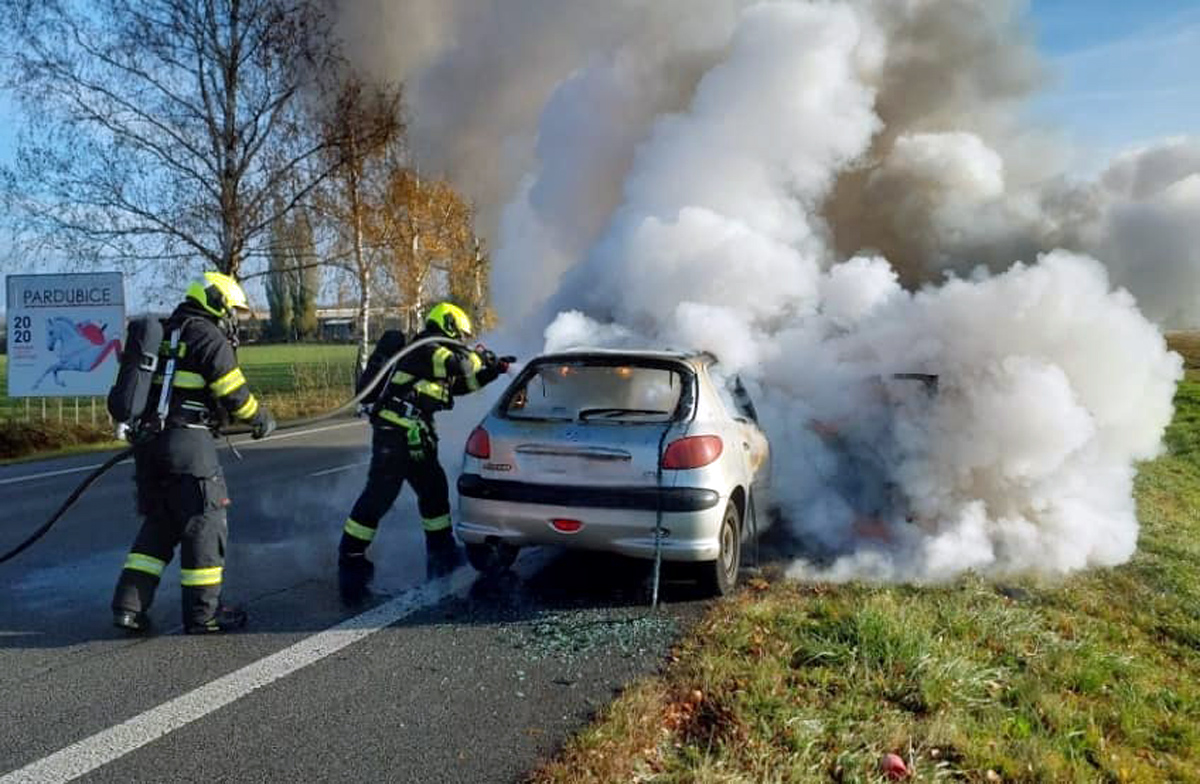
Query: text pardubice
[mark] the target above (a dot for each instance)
(53, 298)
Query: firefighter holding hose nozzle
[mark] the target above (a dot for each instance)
(190, 386)
(405, 442)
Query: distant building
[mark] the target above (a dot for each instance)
(334, 325)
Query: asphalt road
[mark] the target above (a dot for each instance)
(457, 680)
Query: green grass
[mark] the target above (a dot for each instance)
(271, 368)
(300, 380)
(1093, 678)
(93, 443)
(294, 381)
(289, 368)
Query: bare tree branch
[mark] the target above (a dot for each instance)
(159, 128)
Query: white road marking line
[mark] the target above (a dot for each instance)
(63, 472)
(296, 434)
(80, 469)
(115, 742)
(339, 469)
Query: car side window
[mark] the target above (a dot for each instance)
(740, 397)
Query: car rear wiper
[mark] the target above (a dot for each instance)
(585, 414)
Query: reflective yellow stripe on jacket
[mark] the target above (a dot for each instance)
(228, 383)
(164, 349)
(472, 373)
(183, 379)
(433, 389)
(248, 409)
(441, 355)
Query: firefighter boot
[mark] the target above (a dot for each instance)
(442, 555)
(225, 619)
(354, 575)
(131, 621)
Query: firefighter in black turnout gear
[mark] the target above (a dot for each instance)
(405, 443)
(180, 488)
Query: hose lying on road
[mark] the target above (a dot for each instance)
(379, 378)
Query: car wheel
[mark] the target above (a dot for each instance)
(719, 577)
(491, 559)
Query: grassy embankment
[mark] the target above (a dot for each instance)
(294, 380)
(1094, 678)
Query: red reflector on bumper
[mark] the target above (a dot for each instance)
(566, 526)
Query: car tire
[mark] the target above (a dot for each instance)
(719, 577)
(491, 559)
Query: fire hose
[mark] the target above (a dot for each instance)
(379, 378)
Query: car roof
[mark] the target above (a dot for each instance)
(703, 358)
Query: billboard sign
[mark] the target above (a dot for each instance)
(64, 333)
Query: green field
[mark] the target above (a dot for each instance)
(1092, 678)
(290, 368)
(11, 408)
(294, 381)
(271, 369)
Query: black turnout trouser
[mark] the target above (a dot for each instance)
(179, 510)
(398, 454)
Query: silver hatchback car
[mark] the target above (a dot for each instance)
(629, 452)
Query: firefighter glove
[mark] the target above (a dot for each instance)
(263, 424)
(492, 361)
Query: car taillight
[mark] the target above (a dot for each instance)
(566, 526)
(480, 444)
(692, 452)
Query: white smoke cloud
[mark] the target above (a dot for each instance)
(1147, 228)
(536, 109)
(1023, 459)
(1051, 386)
(759, 180)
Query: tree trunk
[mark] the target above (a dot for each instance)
(231, 261)
(419, 288)
(364, 317)
(364, 272)
(477, 271)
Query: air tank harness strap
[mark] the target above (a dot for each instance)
(164, 397)
(419, 433)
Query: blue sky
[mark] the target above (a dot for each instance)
(1122, 71)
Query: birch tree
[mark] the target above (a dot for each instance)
(363, 132)
(425, 228)
(163, 130)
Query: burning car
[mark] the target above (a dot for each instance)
(631, 452)
(865, 450)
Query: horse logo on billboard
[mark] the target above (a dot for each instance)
(79, 348)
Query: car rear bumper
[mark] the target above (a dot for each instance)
(618, 520)
(646, 499)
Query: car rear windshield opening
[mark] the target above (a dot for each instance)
(584, 392)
